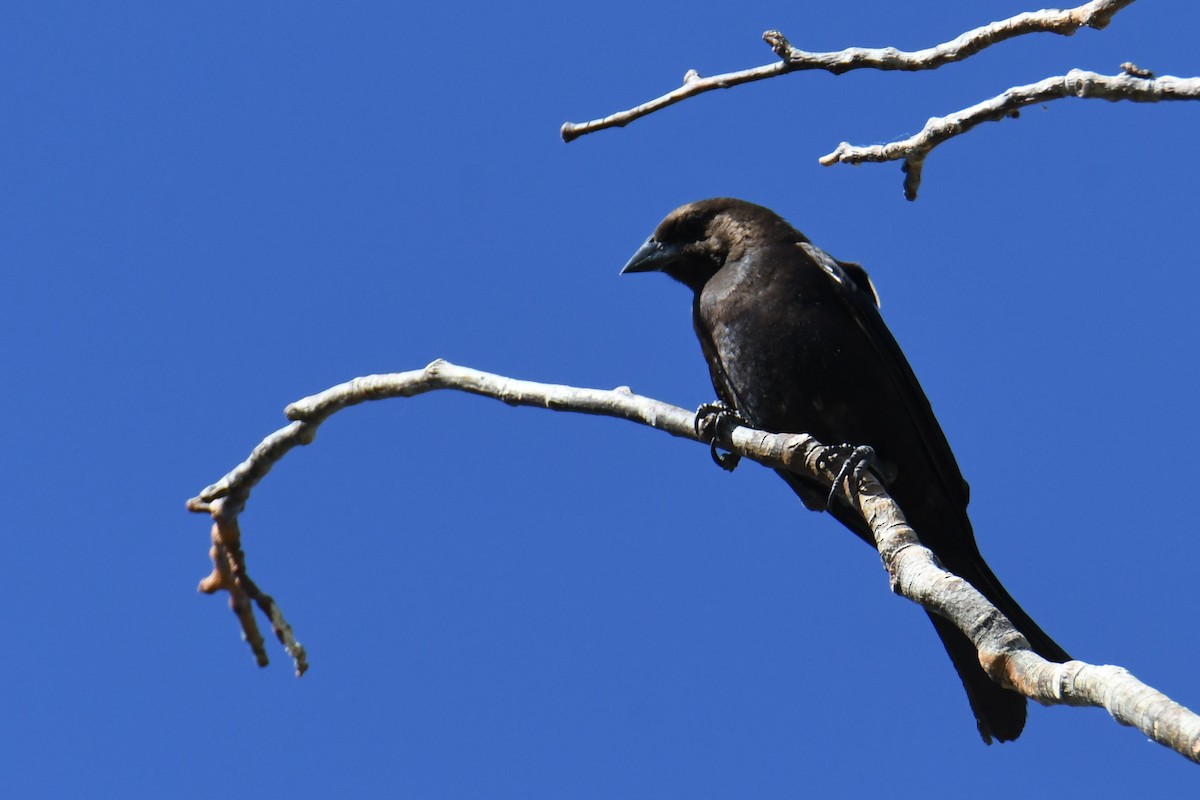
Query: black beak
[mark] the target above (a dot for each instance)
(652, 256)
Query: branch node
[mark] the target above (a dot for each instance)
(779, 44)
(912, 169)
(1132, 69)
(306, 433)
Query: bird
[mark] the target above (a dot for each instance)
(795, 343)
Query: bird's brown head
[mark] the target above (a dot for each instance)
(695, 240)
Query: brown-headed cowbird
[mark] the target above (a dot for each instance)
(795, 344)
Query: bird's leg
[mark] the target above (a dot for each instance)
(710, 414)
(856, 460)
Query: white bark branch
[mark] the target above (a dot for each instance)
(1133, 84)
(1096, 14)
(1005, 655)
(914, 571)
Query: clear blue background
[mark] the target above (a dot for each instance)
(211, 210)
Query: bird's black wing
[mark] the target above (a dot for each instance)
(857, 293)
(963, 558)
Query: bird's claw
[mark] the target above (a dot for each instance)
(725, 460)
(856, 460)
(709, 414)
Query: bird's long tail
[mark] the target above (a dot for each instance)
(999, 712)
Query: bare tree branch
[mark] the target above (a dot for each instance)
(914, 571)
(1134, 84)
(1005, 655)
(1096, 14)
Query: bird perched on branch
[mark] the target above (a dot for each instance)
(795, 344)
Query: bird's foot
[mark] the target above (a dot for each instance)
(709, 415)
(856, 460)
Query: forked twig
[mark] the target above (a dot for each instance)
(1133, 84)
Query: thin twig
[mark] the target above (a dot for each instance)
(914, 570)
(1096, 14)
(1133, 84)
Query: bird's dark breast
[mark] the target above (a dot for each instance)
(790, 360)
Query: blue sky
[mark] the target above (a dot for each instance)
(209, 212)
